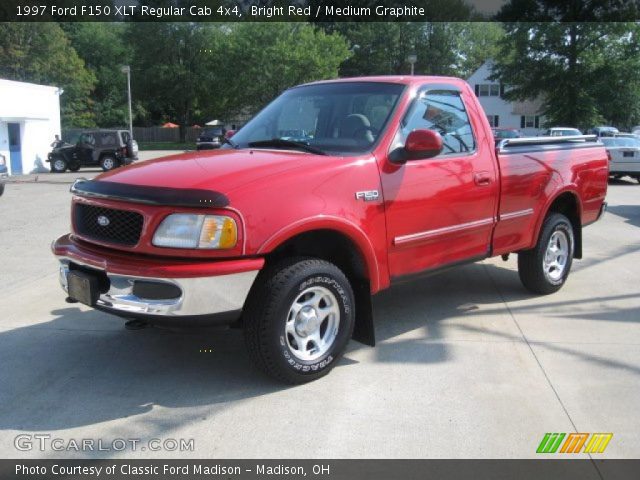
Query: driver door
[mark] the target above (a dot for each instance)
(84, 148)
(440, 210)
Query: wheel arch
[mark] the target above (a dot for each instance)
(344, 245)
(566, 202)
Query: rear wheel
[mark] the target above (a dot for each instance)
(545, 268)
(108, 162)
(299, 319)
(58, 165)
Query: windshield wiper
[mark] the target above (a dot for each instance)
(281, 142)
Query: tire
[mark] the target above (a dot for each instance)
(74, 167)
(108, 162)
(58, 165)
(545, 268)
(285, 336)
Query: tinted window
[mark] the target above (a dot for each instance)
(87, 139)
(506, 134)
(108, 139)
(212, 132)
(341, 117)
(621, 142)
(443, 112)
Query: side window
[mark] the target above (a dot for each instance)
(87, 139)
(444, 112)
(108, 139)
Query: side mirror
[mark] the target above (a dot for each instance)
(423, 144)
(229, 133)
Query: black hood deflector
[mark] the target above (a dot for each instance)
(161, 196)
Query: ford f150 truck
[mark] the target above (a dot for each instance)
(333, 192)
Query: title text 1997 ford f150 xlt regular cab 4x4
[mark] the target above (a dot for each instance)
(330, 194)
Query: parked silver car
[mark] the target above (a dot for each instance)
(624, 155)
(561, 132)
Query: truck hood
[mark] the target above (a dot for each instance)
(226, 171)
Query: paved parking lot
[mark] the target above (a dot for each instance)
(468, 364)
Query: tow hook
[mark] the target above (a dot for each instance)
(505, 256)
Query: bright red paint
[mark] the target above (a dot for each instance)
(430, 213)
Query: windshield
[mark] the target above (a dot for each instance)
(621, 142)
(339, 117)
(565, 132)
(506, 134)
(212, 132)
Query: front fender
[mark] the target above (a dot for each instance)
(340, 225)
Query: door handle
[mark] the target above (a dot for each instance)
(482, 179)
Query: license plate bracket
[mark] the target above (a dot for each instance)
(83, 287)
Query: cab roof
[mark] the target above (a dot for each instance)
(400, 79)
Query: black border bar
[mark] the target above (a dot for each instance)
(318, 11)
(547, 469)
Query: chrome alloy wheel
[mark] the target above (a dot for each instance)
(59, 165)
(555, 258)
(312, 323)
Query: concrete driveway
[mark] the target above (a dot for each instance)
(468, 364)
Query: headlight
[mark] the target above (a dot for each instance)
(184, 230)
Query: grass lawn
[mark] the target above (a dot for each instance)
(166, 146)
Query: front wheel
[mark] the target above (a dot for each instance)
(299, 319)
(545, 267)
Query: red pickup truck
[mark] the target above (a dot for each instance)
(330, 194)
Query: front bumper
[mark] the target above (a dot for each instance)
(215, 290)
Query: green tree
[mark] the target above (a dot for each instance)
(103, 49)
(572, 67)
(171, 71)
(452, 48)
(261, 59)
(575, 57)
(41, 53)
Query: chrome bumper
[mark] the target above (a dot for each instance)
(199, 296)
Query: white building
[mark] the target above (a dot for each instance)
(525, 116)
(29, 120)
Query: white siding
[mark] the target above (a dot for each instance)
(36, 108)
(509, 113)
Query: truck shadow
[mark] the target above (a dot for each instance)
(83, 368)
(631, 213)
(416, 321)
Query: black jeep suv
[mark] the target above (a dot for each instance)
(107, 148)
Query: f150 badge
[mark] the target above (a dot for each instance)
(368, 195)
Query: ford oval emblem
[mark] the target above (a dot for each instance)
(103, 221)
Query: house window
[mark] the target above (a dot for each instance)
(530, 121)
(494, 120)
(488, 90)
